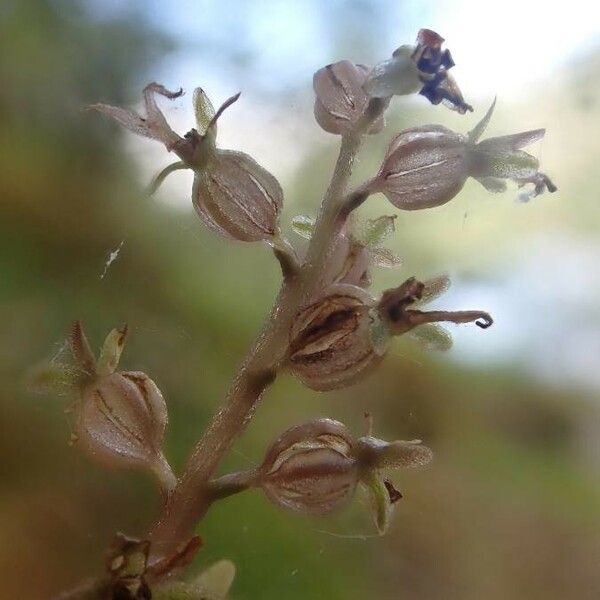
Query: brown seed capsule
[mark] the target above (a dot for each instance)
(331, 345)
(340, 99)
(427, 166)
(122, 416)
(310, 468)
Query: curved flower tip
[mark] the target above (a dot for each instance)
(153, 125)
(340, 99)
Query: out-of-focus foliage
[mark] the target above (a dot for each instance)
(510, 507)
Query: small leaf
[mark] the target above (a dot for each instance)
(303, 225)
(492, 184)
(401, 455)
(382, 257)
(204, 110)
(376, 231)
(432, 337)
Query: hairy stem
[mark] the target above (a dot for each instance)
(193, 495)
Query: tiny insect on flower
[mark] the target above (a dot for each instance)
(233, 195)
(121, 416)
(428, 166)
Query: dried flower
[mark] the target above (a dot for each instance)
(427, 166)
(340, 99)
(330, 340)
(122, 416)
(314, 468)
(423, 68)
(396, 307)
(232, 193)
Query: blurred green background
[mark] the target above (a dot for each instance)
(510, 508)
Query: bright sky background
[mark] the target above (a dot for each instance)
(507, 48)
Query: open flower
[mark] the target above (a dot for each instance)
(232, 193)
(427, 166)
(122, 416)
(315, 468)
(340, 99)
(420, 68)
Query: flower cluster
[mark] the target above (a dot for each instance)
(327, 327)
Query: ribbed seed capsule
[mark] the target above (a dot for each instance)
(232, 193)
(122, 416)
(427, 166)
(311, 468)
(331, 344)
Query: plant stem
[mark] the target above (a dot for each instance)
(192, 496)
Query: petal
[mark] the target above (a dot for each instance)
(433, 288)
(376, 231)
(475, 133)
(432, 336)
(492, 184)
(516, 141)
(204, 110)
(382, 257)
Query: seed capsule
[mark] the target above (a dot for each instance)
(331, 344)
(122, 416)
(427, 166)
(340, 99)
(233, 195)
(310, 468)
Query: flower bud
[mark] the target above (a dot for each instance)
(331, 342)
(122, 416)
(427, 166)
(310, 468)
(340, 99)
